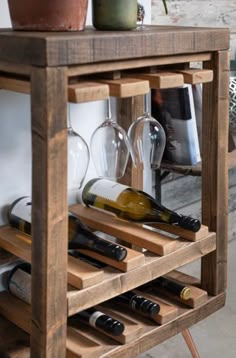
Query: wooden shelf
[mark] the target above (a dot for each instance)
(13, 340)
(98, 285)
(85, 342)
(195, 170)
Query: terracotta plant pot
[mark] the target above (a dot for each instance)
(48, 15)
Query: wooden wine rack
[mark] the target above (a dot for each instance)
(54, 68)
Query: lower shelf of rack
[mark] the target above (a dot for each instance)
(82, 345)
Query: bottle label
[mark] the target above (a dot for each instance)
(107, 189)
(20, 285)
(22, 209)
(93, 318)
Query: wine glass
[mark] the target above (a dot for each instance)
(147, 140)
(109, 147)
(78, 157)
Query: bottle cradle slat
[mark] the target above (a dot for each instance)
(85, 342)
(99, 284)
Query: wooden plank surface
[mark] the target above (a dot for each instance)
(125, 230)
(128, 110)
(58, 49)
(180, 232)
(215, 170)
(82, 346)
(115, 283)
(126, 87)
(162, 79)
(83, 91)
(79, 273)
(49, 212)
(194, 76)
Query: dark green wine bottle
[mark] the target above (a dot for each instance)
(80, 237)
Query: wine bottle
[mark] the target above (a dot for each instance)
(99, 320)
(19, 284)
(19, 281)
(80, 236)
(137, 303)
(131, 204)
(178, 289)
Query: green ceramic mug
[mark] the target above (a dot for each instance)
(114, 14)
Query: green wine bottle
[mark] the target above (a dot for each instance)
(130, 204)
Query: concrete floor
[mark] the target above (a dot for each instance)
(215, 337)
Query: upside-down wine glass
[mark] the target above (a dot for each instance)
(78, 157)
(147, 140)
(109, 147)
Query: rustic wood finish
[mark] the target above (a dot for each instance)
(50, 60)
(215, 170)
(49, 212)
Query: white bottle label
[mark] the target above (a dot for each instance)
(20, 285)
(107, 189)
(22, 209)
(93, 318)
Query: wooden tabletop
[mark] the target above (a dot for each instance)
(90, 46)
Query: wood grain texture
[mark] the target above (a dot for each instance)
(49, 212)
(115, 283)
(128, 110)
(104, 66)
(215, 170)
(162, 79)
(59, 49)
(79, 273)
(127, 87)
(81, 345)
(194, 76)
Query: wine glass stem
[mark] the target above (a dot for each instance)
(145, 103)
(108, 103)
(69, 126)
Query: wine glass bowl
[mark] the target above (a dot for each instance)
(78, 158)
(147, 141)
(109, 147)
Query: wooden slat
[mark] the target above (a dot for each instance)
(77, 92)
(167, 311)
(197, 298)
(87, 91)
(185, 234)
(133, 259)
(132, 328)
(85, 69)
(215, 170)
(125, 230)
(80, 345)
(162, 79)
(126, 87)
(128, 110)
(195, 170)
(79, 273)
(116, 283)
(194, 76)
(49, 212)
(15, 84)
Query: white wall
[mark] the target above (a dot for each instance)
(15, 140)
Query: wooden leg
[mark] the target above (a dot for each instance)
(190, 343)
